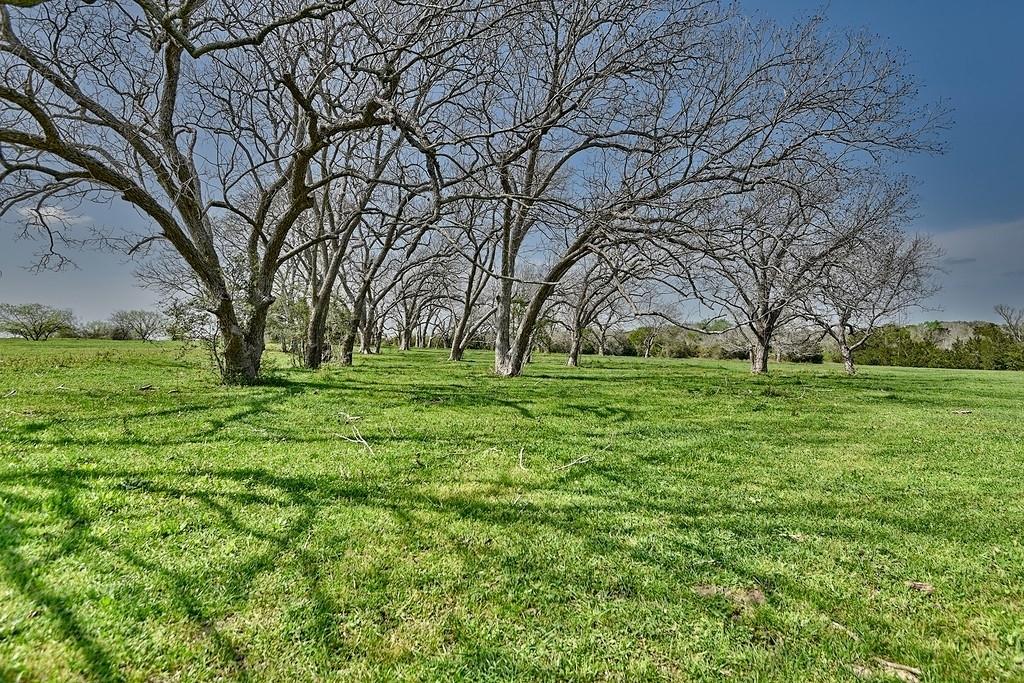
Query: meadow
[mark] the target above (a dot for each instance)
(415, 519)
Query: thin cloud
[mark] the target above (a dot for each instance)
(51, 214)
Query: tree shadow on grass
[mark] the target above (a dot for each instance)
(66, 497)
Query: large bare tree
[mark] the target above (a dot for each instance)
(611, 123)
(203, 112)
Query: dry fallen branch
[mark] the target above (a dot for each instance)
(577, 461)
(357, 438)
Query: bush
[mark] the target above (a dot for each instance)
(989, 348)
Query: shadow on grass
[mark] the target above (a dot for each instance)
(65, 498)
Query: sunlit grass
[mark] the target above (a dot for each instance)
(411, 518)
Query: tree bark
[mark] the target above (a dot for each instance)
(574, 350)
(504, 363)
(511, 354)
(847, 353)
(241, 356)
(243, 347)
(762, 331)
(320, 302)
(458, 341)
(313, 356)
(366, 339)
(759, 357)
(348, 342)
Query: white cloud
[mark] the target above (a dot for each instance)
(51, 214)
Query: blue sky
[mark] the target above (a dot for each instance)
(968, 54)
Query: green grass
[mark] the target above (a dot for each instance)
(196, 532)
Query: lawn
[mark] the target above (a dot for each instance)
(415, 519)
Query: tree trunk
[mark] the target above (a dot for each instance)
(847, 353)
(405, 339)
(759, 357)
(504, 364)
(458, 341)
(574, 350)
(243, 348)
(348, 344)
(241, 356)
(511, 354)
(316, 331)
(241, 361)
(317, 349)
(366, 339)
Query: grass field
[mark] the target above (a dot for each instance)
(415, 519)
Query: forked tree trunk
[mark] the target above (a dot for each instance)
(242, 353)
(243, 347)
(505, 363)
(511, 353)
(462, 336)
(317, 348)
(241, 360)
(762, 334)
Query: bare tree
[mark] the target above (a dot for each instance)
(758, 255)
(147, 104)
(613, 123)
(139, 323)
(475, 230)
(36, 322)
(594, 292)
(883, 274)
(1013, 319)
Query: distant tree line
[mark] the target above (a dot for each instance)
(989, 347)
(39, 322)
(984, 345)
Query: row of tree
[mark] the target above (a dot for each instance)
(470, 170)
(39, 322)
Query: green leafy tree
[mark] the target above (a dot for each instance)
(36, 322)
